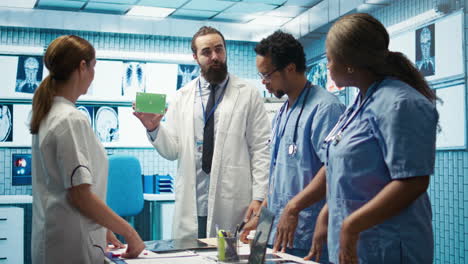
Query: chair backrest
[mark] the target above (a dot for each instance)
(124, 187)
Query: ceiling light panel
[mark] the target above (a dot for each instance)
(149, 11)
(163, 3)
(18, 3)
(208, 5)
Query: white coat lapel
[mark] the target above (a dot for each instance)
(226, 110)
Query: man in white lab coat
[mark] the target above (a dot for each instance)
(218, 130)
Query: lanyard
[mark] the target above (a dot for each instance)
(278, 136)
(205, 116)
(333, 135)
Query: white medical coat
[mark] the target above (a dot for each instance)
(66, 153)
(241, 161)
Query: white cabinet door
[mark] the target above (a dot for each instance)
(11, 235)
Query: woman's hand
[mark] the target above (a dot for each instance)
(348, 245)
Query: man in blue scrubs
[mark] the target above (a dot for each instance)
(299, 129)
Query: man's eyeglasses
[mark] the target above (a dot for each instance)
(266, 76)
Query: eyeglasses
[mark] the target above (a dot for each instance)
(267, 76)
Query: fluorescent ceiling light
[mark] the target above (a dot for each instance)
(149, 11)
(18, 3)
(270, 20)
(414, 22)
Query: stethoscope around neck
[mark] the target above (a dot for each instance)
(292, 148)
(336, 133)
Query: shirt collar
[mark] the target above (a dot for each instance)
(204, 83)
(61, 99)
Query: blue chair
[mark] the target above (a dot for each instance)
(125, 187)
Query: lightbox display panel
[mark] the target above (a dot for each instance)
(14, 125)
(435, 48)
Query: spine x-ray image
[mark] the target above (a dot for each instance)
(186, 73)
(6, 123)
(107, 123)
(28, 74)
(425, 50)
(134, 79)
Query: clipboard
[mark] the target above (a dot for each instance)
(150, 103)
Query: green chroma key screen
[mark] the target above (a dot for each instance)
(150, 103)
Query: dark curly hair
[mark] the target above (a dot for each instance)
(283, 49)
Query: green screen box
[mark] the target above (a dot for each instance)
(150, 103)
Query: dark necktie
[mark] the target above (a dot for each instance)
(208, 132)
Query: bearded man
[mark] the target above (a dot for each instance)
(218, 131)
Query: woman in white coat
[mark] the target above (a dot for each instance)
(70, 217)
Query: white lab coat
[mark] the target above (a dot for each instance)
(239, 171)
(66, 153)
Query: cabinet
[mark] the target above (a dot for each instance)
(11, 235)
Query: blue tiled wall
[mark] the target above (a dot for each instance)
(241, 62)
(449, 184)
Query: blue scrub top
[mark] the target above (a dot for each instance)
(292, 173)
(392, 137)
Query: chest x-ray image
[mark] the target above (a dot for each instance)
(28, 74)
(425, 47)
(318, 74)
(133, 79)
(107, 124)
(6, 123)
(185, 74)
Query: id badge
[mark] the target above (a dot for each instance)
(199, 146)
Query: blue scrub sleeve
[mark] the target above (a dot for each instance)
(73, 151)
(323, 122)
(407, 134)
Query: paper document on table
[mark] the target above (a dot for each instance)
(117, 252)
(212, 241)
(177, 260)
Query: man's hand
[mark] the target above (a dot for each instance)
(254, 208)
(250, 219)
(150, 121)
(286, 228)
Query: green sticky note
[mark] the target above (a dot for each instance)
(150, 103)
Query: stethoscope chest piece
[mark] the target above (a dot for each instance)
(337, 139)
(292, 149)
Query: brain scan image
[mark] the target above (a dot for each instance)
(107, 124)
(85, 111)
(29, 74)
(6, 123)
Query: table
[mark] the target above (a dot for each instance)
(204, 257)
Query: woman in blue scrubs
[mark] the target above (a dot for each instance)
(381, 152)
